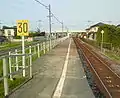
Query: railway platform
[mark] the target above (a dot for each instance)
(57, 74)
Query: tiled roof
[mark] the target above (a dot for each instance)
(98, 24)
(6, 27)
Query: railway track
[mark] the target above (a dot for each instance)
(106, 79)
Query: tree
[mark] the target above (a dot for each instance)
(111, 35)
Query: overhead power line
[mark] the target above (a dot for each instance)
(42, 4)
(56, 18)
(47, 7)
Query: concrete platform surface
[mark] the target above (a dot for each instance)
(49, 71)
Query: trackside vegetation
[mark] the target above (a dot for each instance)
(111, 35)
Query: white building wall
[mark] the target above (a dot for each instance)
(1, 33)
(91, 37)
(94, 29)
(9, 32)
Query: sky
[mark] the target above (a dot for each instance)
(76, 14)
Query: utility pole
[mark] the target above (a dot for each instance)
(62, 27)
(39, 25)
(67, 31)
(50, 23)
(0, 24)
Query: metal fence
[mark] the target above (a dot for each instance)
(12, 67)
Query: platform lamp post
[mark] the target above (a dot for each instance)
(66, 31)
(52, 31)
(102, 32)
(62, 28)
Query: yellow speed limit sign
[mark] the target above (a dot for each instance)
(22, 27)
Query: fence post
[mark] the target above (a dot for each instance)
(35, 49)
(5, 73)
(30, 52)
(54, 43)
(16, 60)
(48, 45)
(38, 46)
(41, 47)
(10, 66)
(44, 47)
(51, 44)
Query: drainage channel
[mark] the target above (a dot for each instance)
(91, 81)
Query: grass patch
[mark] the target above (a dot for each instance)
(112, 55)
(6, 46)
(1, 89)
(12, 84)
(9, 45)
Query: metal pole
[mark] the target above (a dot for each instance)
(41, 47)
(54, 43)
(48, 45)
(10, 66)
(35, 49)
(38, 48)
(23, 57)
(16, 61)
(30, 51)
(44, 47)
(5, 73)
(39, 24)
(102, 43)
(50, 23)
(67, 31)
(62, 27)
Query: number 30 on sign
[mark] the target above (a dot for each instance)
(22, 28)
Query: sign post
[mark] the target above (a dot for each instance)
(102, 32)
(22, 30)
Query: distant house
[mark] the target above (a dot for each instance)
(1, 32)
(59, 34)
(91, 32)
(10, 32)
(2, 38)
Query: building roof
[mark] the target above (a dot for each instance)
(87, 29)
(98, 24)
(6, 27)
